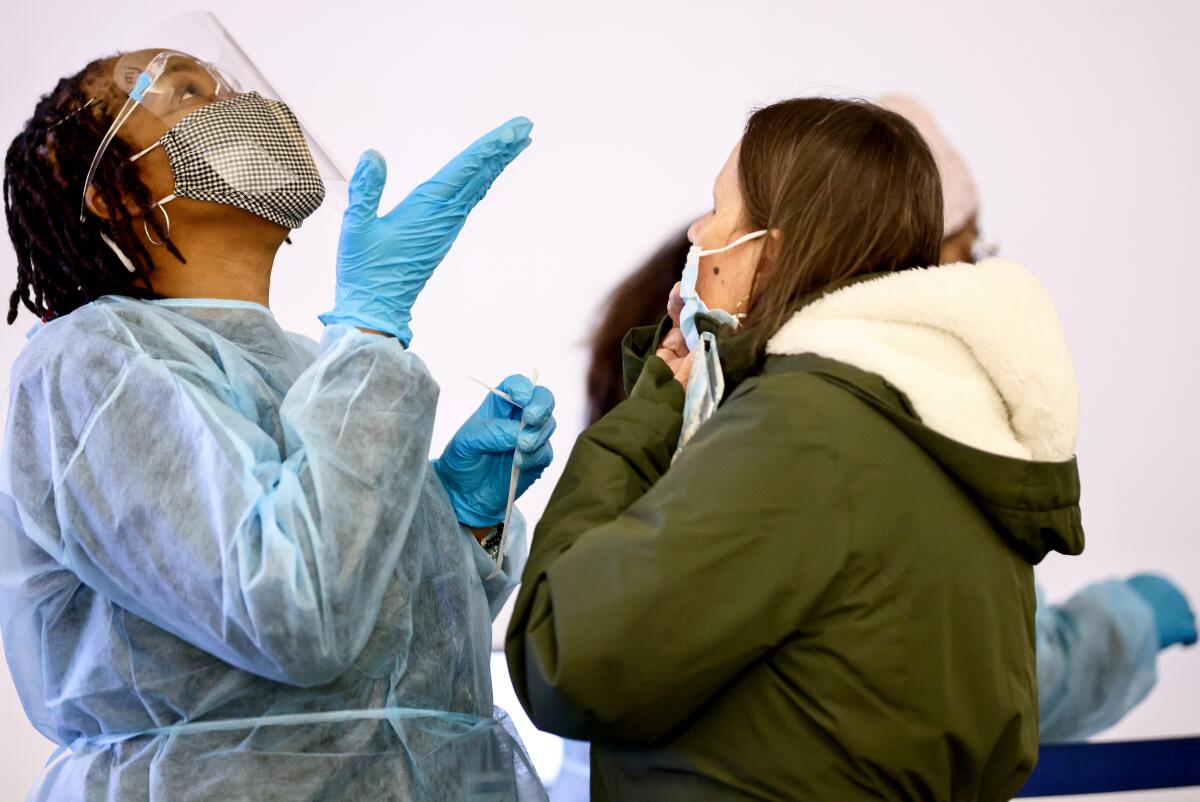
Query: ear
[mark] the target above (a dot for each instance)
(772, 243)
(94, 202)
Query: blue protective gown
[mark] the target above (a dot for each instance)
(228, 572)
(1096, 657)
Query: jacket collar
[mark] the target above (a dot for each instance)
(977, 349)
(742, 357)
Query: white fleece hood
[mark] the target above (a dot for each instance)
(978, 350)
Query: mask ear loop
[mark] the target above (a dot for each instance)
(166, 217)
(159, 205)
(744, 238)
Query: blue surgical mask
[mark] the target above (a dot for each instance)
(692, 304)
(705, 389)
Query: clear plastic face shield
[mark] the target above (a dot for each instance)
(252, 148)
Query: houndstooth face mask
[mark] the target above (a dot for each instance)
(245, 151)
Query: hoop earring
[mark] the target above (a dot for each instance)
(166, 217)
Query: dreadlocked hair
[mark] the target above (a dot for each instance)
(63, 264)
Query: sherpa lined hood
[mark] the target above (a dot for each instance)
(979, 355)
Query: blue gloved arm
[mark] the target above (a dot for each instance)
(476, 466)
(384, 262)
(1095, 659)
(1173, 616)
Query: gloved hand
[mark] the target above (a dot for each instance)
(476, 467)
(384, 262)
(1172, 616)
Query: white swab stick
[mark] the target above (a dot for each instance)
(512, 493)
(494, 391)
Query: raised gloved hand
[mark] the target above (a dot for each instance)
(384, 262)
(1174, 619)
(476, 467)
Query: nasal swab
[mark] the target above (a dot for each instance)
(512, 485)
(494, 391)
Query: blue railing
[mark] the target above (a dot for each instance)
(1101, 768)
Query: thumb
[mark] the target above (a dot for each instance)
(366, 187)
(675, 303)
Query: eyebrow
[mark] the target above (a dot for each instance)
(181, 66)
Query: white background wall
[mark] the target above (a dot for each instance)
(1078, 118)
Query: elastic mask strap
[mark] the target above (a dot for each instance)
(752, 235)
(120, 253)
(167, 199)
(166, 217)
(137, 156)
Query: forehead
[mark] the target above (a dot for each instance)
(130, 65)
(727, 179)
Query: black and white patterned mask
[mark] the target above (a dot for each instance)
(245, 151)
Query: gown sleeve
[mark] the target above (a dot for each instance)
(156, 485)
(1096, 658)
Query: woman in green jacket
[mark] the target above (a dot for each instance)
(810, 575)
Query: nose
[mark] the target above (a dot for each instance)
(693, 232)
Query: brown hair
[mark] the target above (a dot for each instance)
(850, 187)
(639, 300)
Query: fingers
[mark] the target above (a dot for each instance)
(477, 185)
(535, 463)
(469, 174)
(675, 343)
(531, 440)
(492, 436)
(683, 369)
(539, 408)
(519, 388)
(680, 365)
(366, 187)
(675, 304)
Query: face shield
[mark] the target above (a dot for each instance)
(238, 139)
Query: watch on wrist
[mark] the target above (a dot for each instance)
(491, 543)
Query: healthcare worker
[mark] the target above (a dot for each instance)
(1097, 652)
(228, 569)
(797, 562)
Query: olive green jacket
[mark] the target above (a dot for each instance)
(822, 598)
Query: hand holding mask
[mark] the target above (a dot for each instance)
(674, 348)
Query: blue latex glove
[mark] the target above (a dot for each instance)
(384, 262)
(476, 467)
(1173, 617)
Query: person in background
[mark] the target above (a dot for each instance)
(1098, 650)
(636, 301)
